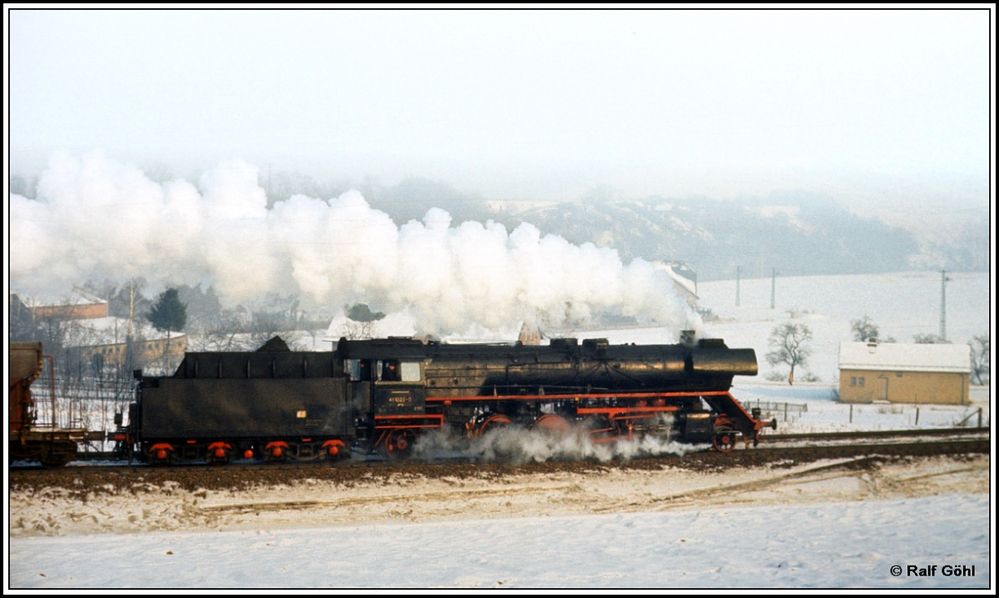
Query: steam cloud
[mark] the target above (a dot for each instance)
(95, 218)
(516, 444)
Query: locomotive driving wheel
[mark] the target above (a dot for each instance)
(555, 425)
(495, 421)
(399, 443)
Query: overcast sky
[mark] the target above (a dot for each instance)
(517, 104)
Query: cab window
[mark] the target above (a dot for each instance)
(390, 370)
(411, 371)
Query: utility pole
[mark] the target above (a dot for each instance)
(943, 305)
(738, 276)
(773, 287)
(129, 346)
(131, 306)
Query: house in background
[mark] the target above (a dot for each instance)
(106, 341)
(91, 339)
(904, 373)
(78, 305)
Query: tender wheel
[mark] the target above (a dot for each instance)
(277, 450)
(219, 453)
(335, 450)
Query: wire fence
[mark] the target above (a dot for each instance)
(775, 409)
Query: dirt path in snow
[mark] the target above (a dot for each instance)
(152, 500)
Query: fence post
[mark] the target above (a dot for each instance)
(917, 416)
(785, 412)
(979, 417)
(851, 413)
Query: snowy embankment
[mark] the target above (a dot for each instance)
(851, 544)
(823, 524)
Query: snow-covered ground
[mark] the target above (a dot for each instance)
(817, 525)
(837, 545)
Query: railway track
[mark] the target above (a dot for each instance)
(892, 446)
(765, 440)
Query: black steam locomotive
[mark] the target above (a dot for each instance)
(380, 395)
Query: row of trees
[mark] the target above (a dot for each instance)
(789, 343)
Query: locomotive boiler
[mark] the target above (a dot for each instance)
(381, 395)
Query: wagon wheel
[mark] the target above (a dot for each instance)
(724, 441)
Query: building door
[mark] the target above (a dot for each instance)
(882, 389)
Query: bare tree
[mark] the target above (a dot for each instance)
(219, 334)
(981, 368)
(927, 339)
(267, 325)
(864, 329)
(352, 330)
(790, 346)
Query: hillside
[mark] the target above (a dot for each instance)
(797, 233)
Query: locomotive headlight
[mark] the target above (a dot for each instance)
(301, 414)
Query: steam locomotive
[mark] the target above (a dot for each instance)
(380, 395)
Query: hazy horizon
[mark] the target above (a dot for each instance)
(870, 108)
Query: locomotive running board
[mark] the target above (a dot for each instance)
(580, 396)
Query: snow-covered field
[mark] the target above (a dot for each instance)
(836, 545)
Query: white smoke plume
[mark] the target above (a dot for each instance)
(95, 218)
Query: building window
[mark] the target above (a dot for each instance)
(853, 380)
(861, 379)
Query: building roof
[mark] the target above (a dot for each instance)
(905, 357)
(680, 281)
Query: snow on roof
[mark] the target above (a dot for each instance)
(110, 331)
(681, 281)
(393, 324)
(905, 357)
(75, 297)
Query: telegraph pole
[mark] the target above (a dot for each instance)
(773, 287)
(738, 276)
(943, 305)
